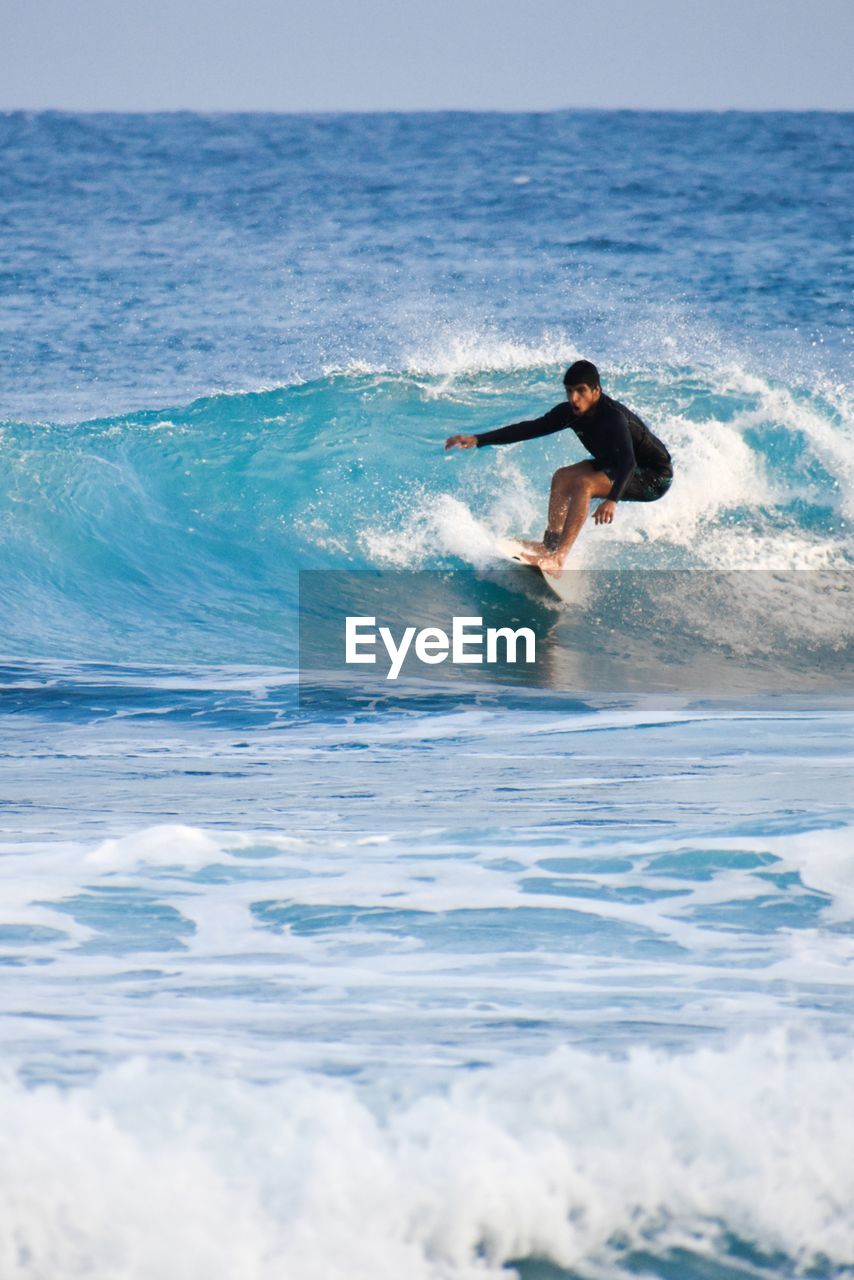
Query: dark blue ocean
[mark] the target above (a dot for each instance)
(470, 979)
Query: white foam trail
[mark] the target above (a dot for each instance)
(445, 525)
(441, 526)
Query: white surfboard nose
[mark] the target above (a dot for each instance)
(567, 585)
(511, 548)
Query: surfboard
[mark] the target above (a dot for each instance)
(560, 584)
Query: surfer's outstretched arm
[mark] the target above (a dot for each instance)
(555, 420)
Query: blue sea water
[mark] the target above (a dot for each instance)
(472, 979)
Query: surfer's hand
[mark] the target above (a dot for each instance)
(464, 442)
(604, 513)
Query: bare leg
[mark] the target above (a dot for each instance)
(569, 504)
(559, 500)
(565, 482)
(579, 509)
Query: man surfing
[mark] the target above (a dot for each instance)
(627, 463)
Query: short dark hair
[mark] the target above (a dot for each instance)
(582, 371)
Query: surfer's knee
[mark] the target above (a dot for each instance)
(579, 480)
(562, 479)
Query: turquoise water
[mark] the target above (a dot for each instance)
(468, 977)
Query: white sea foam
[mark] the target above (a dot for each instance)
(354, 883)
(576, 1157)
(167, 844)
(428, 525)
(452, 351)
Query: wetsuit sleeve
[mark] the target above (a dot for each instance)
(622, 451)
(554, 420)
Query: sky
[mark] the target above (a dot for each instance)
(411, 55)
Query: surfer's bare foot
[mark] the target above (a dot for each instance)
(550, 563)
(532, 553)
(536, 548)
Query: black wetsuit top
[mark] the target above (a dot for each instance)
(615, 438)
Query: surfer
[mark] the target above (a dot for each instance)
(627, 463)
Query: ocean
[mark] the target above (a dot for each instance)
(459, 979)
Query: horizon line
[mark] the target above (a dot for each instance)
(413, 111)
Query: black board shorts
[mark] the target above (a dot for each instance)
(646, 484)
